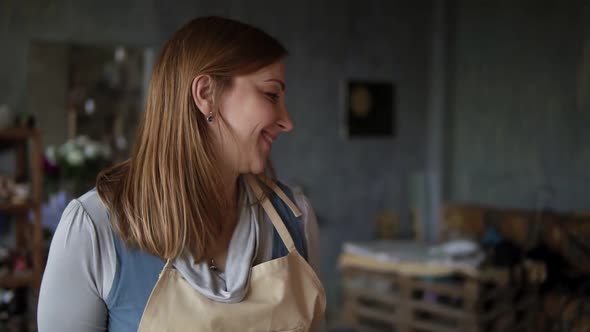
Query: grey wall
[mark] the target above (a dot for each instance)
(347, 181)
(517, 132)
(46, 88)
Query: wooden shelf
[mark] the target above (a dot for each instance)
(16, 280)
(29, 236)
(10, 208)
(17, 134)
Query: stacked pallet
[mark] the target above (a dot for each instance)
(385, 296)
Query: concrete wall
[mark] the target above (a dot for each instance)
(520, 117)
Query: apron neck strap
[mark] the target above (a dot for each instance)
(270, 209)
(168, 265)
(273, 185)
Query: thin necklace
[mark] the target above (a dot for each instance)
(212, 264)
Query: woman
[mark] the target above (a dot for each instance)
(188, 235)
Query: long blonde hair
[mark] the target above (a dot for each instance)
(168, 197)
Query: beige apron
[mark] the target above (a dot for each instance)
(284, 294)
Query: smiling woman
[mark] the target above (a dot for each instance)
(252, 111)
(189, 225)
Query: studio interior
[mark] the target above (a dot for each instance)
(444, 146)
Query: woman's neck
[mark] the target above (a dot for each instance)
(232, 190)
(230, 184)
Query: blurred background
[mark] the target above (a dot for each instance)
(441, 142)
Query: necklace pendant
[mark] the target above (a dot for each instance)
(212, 265)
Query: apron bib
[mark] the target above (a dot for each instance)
(284, 294)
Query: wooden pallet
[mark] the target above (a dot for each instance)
(383, 301)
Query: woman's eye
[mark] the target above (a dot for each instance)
(273, 96)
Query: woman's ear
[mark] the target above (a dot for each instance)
(201, 90)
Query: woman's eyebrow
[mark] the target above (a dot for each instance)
(281, 83)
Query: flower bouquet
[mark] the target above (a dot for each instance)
(74, 165)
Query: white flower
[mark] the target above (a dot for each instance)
(66, 148)
(75, 157)
(51, 154)
(91, 150)
(82, 140)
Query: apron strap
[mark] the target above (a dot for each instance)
(168, 264)
(273, 185)
(272, 212)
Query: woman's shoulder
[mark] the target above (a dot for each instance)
(93, 206)
(309, 222)
(296, 194)
(85, 217)
(84, 238)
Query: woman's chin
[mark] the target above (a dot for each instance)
(258, 166)
(257, 170)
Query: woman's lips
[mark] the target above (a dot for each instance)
(268, 137)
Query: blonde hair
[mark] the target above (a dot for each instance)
(168, 197)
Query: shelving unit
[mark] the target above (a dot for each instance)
(29, 236)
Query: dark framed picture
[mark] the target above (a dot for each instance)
(369, 109)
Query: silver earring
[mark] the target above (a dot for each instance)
(210, 117)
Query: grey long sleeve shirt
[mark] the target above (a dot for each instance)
(82, 260)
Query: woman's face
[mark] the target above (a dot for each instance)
(255, 114)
